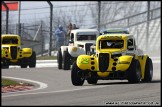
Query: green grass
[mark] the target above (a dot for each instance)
(7, 82)
(46, 57)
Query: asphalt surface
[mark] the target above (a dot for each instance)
(57, 89)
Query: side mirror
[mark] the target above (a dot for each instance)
(130, 48)
(71, 41)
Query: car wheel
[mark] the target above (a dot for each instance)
(76, 77)
(59, 59)
(24, 66)
(66, 60)
(92, 80)
(134, 72)
(5, 66)
(32, 60)
(148, 71)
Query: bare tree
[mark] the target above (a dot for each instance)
(74, 15)
(78, 14)
(109, 11)
(113, 10)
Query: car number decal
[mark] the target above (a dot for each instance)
(83, 61)
(2, 52)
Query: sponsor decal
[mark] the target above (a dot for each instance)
(27, 52)
(83, 61)
(2, 52)
(123, 62)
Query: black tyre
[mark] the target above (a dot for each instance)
(92, 80)
(59, 59)
(148, 71)
(32, 60)
(134, 72)
(76, 77)
(24, 66)
(5, 66)
(66, 60)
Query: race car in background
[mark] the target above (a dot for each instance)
(80, 42)
(13, 54)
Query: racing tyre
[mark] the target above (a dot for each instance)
(5, 66)
(76, 79)
(134, 72)
(32, 60)
(92, 80)
(66, 60)
(24, 66)
(148, 71)
(59, 59)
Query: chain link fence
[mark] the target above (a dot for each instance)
(36, 36)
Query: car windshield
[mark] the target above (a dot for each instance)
(10, 41)
(86, 37)
(108, 44)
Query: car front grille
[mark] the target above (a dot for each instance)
(13, 52)
(103, 61)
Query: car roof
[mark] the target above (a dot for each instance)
(9, 35)
(83, 30)
(116, 34)
(123, 35)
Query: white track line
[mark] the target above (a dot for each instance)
(59, 91)
(41, 85)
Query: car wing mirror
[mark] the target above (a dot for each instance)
(130, 48)
(71, 41)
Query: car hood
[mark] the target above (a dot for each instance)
(84, 42)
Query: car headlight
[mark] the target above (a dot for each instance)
(74, 49)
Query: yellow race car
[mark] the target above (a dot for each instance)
(13, 54)
(116, 58)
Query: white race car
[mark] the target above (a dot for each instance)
(80, 42)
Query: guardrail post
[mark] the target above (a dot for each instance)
(147, 26)
(51, 12)
(99, 12)
(7, 14)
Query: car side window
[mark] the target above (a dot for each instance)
(72, 36)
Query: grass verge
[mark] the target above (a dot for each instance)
(7, 82)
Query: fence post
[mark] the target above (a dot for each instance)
(137, 36)
(128, 22)
(51, 13)
(99, 12)
(19, 27)
(7, 14)
(42, 39)
(147, 26)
